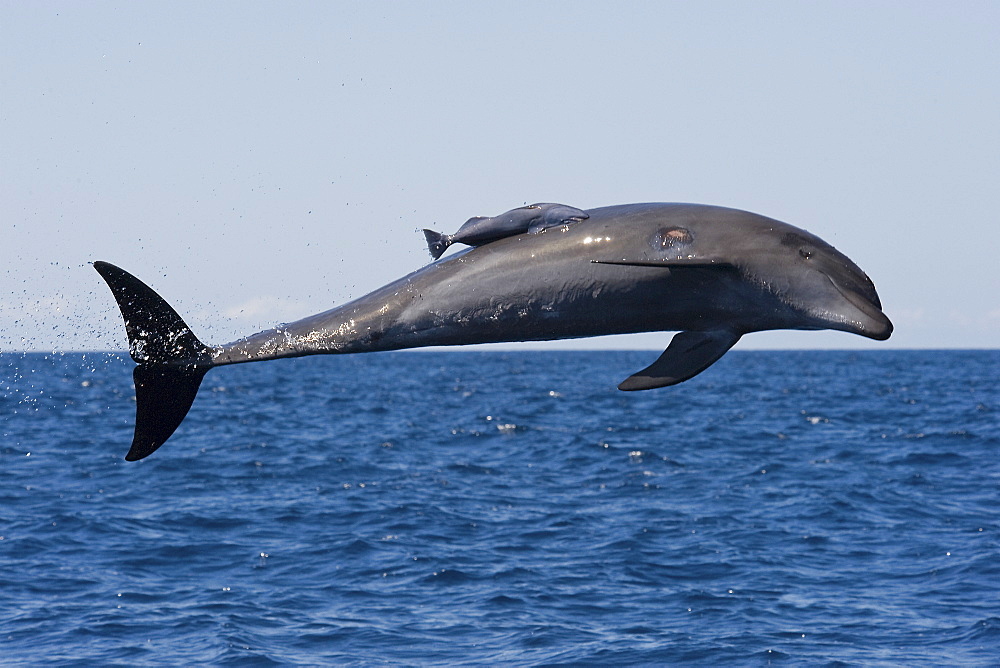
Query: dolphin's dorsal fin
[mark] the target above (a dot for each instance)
(688, 354)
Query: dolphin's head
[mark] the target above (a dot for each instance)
(773, 275)
(821, 285)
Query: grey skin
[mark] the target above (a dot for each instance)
(711, 273)
(480, 230)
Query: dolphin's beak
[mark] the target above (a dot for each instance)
(861, 314)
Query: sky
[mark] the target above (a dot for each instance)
(260, 162)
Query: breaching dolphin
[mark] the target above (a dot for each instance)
(480, 230)
(711, 273)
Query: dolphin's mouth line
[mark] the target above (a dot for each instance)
(867, 308)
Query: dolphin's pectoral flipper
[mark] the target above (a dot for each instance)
(172, 361)
(688, 354)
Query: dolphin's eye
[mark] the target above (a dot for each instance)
(805, 253)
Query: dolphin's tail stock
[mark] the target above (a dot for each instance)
(437, 243)
(172, 361)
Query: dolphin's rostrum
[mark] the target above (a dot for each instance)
(711, 273)
(480, 230)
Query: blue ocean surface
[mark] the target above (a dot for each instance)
(507, 508)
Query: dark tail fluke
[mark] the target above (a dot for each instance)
(172, 361)
(163, 396)
(437, 243)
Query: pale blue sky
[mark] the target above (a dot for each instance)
(257, 163)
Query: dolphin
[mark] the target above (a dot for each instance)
(713, 274)
(480, 230)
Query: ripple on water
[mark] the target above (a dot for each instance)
(807, 507)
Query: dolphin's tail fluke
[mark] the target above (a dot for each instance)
(437, 243)
(172, 361)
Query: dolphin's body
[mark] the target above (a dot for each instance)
(533, 218)
(712, 273)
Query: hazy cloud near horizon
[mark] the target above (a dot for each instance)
(260, 162)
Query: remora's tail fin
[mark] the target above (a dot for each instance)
(172, 361)
(437, 243)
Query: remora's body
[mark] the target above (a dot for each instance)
(712, 273)
(533, 218)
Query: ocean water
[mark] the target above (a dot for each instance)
(507, 508)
